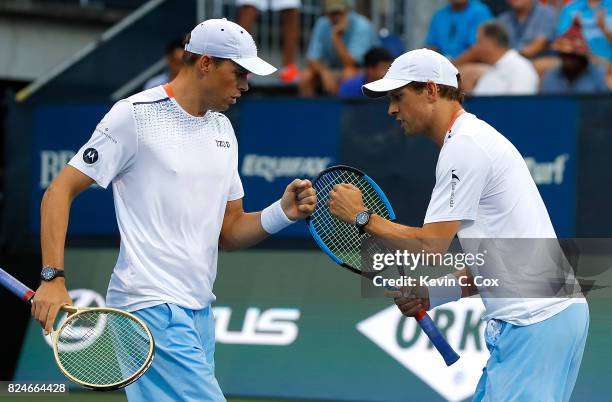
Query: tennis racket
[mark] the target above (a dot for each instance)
(99, 348)
(343, 243)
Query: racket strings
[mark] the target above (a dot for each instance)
(102, 347)
(343, 239)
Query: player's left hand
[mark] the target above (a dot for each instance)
(345, 202)
(410, 300)
(299, 200)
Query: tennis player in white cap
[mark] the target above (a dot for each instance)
(483, 190)
(172, 159)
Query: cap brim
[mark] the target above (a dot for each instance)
(376, 89)
(256, 65)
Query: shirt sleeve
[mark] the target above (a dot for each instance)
(461, 175)
(235, 190)
(315, 47)
(112, 147)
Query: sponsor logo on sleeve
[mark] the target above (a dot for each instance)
(102, 129)
(90, 156)
(454, 180)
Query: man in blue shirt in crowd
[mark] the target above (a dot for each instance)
(376, 62)
(530, 26)
(576, 75)
(596, 19)
(338, 43)
(453, 28)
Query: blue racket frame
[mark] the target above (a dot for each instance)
(424, 320)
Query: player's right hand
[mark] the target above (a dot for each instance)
(49, 298)
(410, 300)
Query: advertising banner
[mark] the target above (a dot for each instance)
(292, 324)
(284, 139)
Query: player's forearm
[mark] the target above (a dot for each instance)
(400, 237)
(54, 211)
(243, 231)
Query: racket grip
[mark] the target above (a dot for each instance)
(14, 286)
(436, 338)
(434, 334)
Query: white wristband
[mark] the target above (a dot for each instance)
(273, 218)
(449, 292)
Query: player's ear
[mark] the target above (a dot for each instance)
(432, 91)
(205, 63)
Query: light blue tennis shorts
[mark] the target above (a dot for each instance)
(183, 369)
(534, 363)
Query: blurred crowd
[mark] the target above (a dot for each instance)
(532, 47)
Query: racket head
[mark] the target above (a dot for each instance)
(342, 241)
(103, 348)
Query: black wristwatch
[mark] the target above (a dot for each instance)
(362, 219)
(49, 273)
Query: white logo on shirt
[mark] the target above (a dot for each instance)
(100, 128)
(454, 180)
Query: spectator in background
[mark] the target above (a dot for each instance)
(375, 65)
(338, 43)
(174, 57)
(530, 26)
(576, 75)
(510, 73)
(290, 29)
(596, 20)
(453, 28)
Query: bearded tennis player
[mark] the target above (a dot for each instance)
(172, 159)
(483, 190)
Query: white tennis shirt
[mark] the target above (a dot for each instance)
(483, 181)
(172, 175)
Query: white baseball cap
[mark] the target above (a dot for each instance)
(228, 40)
(421, 65)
